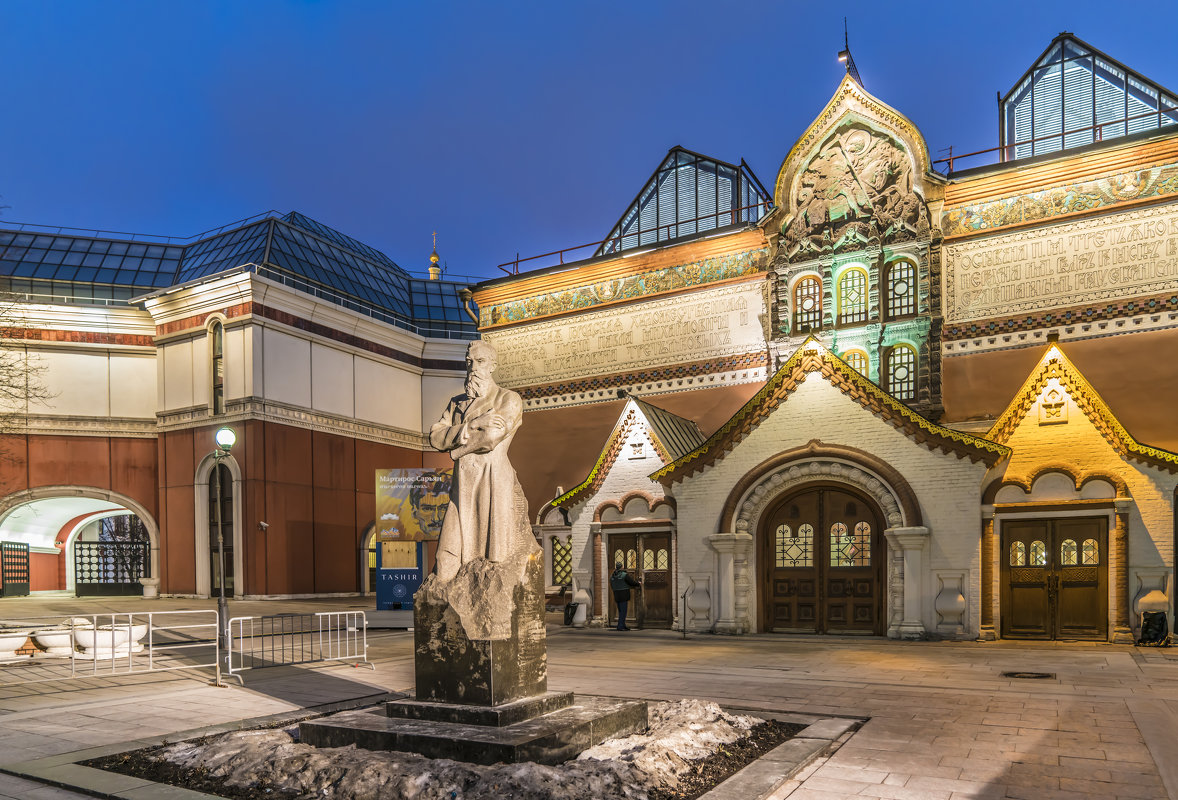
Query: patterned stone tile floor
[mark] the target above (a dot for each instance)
(944, 724)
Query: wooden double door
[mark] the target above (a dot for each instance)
(647, 557)
(1054, 578)
(823, 560)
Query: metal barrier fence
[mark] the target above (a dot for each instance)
(41, 649)
(285, 639)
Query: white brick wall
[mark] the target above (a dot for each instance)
(947, 488)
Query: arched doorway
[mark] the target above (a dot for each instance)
(822, 551)
(223, 481)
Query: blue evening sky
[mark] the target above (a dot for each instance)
(504, 126)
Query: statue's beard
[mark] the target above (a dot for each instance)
(477, 385)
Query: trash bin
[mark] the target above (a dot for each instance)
(1154, 629)
(570, 611)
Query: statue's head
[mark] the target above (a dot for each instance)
(480, 363)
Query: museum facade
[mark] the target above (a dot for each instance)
(879, 398)
(878, 395)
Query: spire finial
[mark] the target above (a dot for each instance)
(845, 56)
(435, 271)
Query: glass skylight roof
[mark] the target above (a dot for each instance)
(688, 194)
(292, 249)
(1076, 95)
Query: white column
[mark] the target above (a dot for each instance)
(732, 559)
(911, 542)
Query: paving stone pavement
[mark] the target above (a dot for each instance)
(943, 723)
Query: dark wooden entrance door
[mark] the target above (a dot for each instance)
(1054, 575)
(823, 559)
(647, 557)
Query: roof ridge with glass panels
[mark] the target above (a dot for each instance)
(291, 248)
(1074, 95)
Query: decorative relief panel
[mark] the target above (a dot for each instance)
(1119, 255)
(710, 323)
(857, 189)
(1105, 191)
(630, 287)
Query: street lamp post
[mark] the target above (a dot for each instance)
(225, 439)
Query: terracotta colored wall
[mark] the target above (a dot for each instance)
(46, 572)
(1135, 373)
(314, 490)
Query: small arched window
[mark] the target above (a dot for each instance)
(807, 305)
(902, 372)
(857, 360)
(1018, 554)
(900, 289)
(217, 352)
(852, 296)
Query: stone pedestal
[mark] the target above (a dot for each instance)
(479, 639)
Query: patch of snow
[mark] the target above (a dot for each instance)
(619, 768)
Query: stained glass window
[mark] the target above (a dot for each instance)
(850, 548)
(807, 305)
(1090, 552)
(901, 289)
(795, 548)
(1068, 555)
(857, 360)
(853, 296)
(902, 372)
(562, 561)
(1038, 554)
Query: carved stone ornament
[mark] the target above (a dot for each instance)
(796, 474)
(857, 189)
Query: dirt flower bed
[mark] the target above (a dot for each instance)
(689, 747)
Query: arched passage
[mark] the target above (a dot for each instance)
(50, 520)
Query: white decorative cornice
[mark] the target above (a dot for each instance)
(665, 386)
(70, 425)
(282, 414)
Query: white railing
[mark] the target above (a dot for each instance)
(285, 639)
(41, 649)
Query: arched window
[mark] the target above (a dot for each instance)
(794, 548)
(222, 523)
(900, 289)
(902, 372)
(857, 360)
(1068, 554)
(807, 305)
(217, 352)
(852, 296)
(1018, 554)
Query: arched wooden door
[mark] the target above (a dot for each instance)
(822, 554)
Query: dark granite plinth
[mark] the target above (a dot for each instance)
(547, 739)
(494, 716)
(451, 667)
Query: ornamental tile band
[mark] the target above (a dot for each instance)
(1056, 201)
(1068, 316)
(630, 287)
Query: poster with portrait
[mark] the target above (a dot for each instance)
(411, 503)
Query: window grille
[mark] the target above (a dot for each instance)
(852, 296)
(901, 289)
(562, 561)
(1018, 554)
(1038, 557)
(794, 548)
(1090, 552)
(850, 548)
(857, 360)
(807, 305)
(1068, 554)
(902, 372)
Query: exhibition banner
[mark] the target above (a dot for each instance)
(411, 503)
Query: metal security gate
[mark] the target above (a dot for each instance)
(111, 568)
(14, 569)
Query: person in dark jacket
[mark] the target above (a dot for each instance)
(621, 582)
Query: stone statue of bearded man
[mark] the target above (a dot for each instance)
(487, 517)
